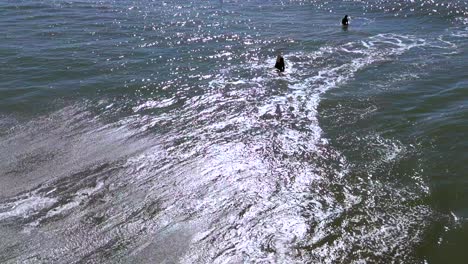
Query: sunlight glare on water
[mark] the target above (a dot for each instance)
(159, 132)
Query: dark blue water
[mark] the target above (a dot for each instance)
(159, 132)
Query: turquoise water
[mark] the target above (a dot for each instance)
(148, 132)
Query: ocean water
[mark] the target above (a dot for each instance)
(158, 131)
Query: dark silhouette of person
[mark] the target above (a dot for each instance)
(345, 21)
(279, 63)
(278, 111)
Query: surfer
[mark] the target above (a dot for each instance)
(279, 63)
(345, 21)
(278, 111)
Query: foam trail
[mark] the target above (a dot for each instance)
(231, 176)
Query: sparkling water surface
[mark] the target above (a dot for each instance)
(159, 132)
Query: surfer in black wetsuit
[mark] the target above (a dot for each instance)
(345, 21)
(278, 112)
(279, 63)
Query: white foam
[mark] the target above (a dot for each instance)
(284, 223)
(80, 196)
(26, 207)
(152, 104)
(231, 176)
(29, 205)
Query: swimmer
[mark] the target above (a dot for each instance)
(278, 111)
(279, 63)
(345, 21)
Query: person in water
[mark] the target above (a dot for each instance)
(279, 63)
(278, 111)
(345, 21)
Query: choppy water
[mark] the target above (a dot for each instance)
(148, 132)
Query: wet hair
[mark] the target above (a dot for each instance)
(279, 57)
